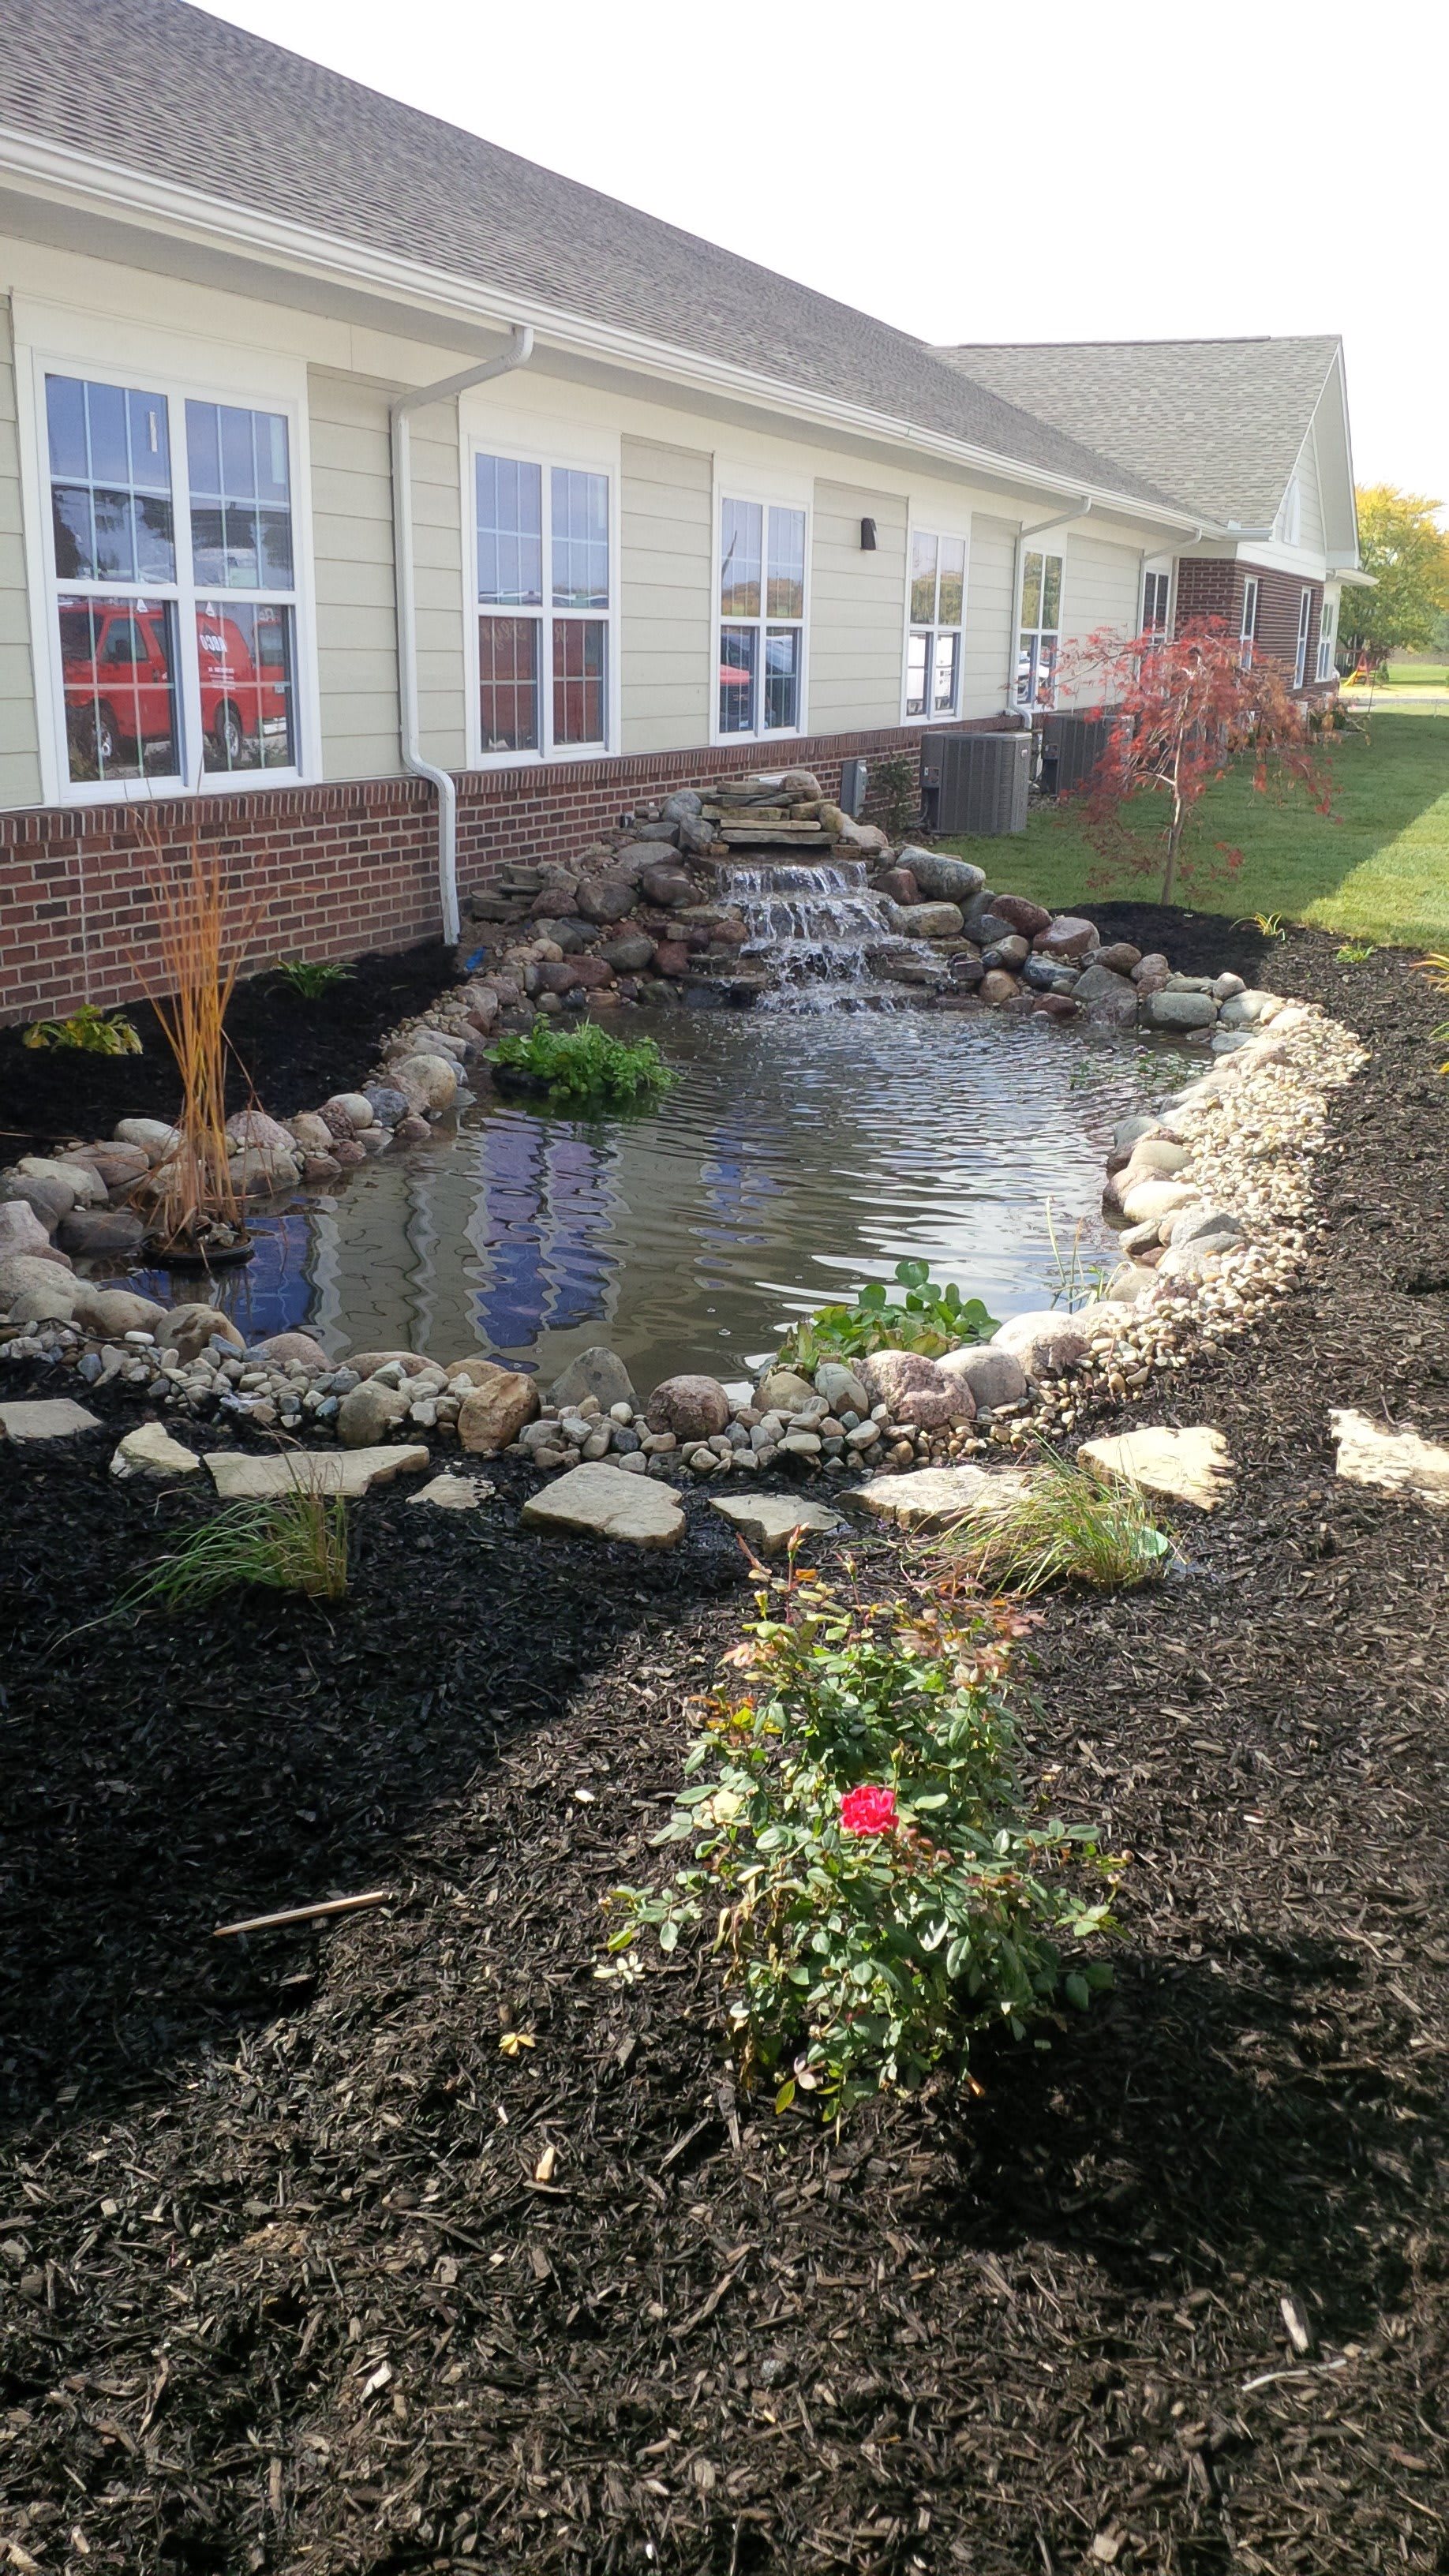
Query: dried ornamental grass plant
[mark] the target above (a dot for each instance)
(1062, 1524)
(201, 955)
(877, 1890)
(296, 1544)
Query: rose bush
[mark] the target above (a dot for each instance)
(876, 1892)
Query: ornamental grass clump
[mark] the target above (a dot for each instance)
(1061, 1524)
(861, 1853)
(296, 1544)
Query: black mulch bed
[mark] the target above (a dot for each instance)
(281, 2288)
(288, 1052)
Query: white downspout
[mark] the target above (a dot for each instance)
(517, 354)
(1058, 519)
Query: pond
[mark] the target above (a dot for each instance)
(799, 1155)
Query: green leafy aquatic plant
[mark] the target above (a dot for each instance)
(296, 1544)
(90, 1030)
(311, 977)
(877, 1892)
(929, 1318)
(1063, 1524)
(587, 1063)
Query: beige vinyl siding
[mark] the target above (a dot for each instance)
(857, 608)
(438, 586)
(1101, 588)
(1310, 488)
(353, 571)
(19, 755)
(990, 610)
(665, 504)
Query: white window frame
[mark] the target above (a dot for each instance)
(1327, 637)
(500, 438)
(1305, 629)
(937, 528)
(1248, 620)
(1048, 554)
(1150, 577)
(770, 492)
(64, 346)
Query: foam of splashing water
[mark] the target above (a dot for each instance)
(825, 936)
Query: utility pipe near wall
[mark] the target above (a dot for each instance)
(517, 354)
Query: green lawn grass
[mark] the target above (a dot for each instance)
(1377, 869)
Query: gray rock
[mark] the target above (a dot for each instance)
(1107, 998)
(1043, 1343)
(1250, 1009)
(629, 955)
(86, 1185)
(368, 1414)
(682, 806)
(927, 920)
(1188, 1260)
(1194, 1223)
(93, 1233)
(50, 1200)
(1126, 1133)
(946, 879)
(666, 829)
(596, 1501)
(841, 1388)
(113, 1311)
(571, 936)
(20, 1271)
(386, 1103)
(989, 1374)
(21, 1230)
(48, 1417)
(598, 1372)
(1178, 1010)
(605, 899)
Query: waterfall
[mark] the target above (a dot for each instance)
(826, 939)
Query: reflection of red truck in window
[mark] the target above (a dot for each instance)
(120, 680)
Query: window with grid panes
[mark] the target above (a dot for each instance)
(175, 583)
(1039, 633)
(543, 607)
(1156, 591)
(762, 617)
(933, 643)
(1327, 622)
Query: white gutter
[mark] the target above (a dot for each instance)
(517, 354)
(111, 186)
(1060, 519)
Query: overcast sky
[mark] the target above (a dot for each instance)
(968, 172)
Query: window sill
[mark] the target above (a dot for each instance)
(212, 784)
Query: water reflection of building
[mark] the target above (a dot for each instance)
(543, 1227)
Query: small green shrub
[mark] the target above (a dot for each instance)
(296, 1544)
(1067, 1525)
(875, 1890)
(586, 1063)
(1351, 955)
(930, 1319)
(311, 977)
(90, 1030)
(896, 786)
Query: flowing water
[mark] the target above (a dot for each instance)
(825, 936)
(799, 1156)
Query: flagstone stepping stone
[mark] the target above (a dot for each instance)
(1400, 1461)
(45, 1417)
(1189, 1466)
(239, 1479)
(595, 1501)
(932, 1498)
(455, 1493)
(767, 1520)
(149, 1450)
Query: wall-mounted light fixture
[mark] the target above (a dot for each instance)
(867, 536)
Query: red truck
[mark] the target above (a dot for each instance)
(120, 684)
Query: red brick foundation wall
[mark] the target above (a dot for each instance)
(336, 870)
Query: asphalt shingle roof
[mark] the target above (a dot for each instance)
(1218, 422)
(166, 89)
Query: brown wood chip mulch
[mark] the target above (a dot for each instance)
(301, 2270)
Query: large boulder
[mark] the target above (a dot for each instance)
(843, 1389)
(21, 1229)
(988, 1373)
(22, 1270)
(1108, 998)
(1029, 917)
(427, 1082)
(597, 1372)
(938, 875)
(119, 1166)
(156, 1140)
(254, 1127)
(496, 1411)
(630, 954)
(668, 887)
(111, 1312)
(784, 1390)
(368, 1413)
(260, 1171)
(1170, 1010)
(1250, 1010)
(188, 1331)
(912, 1387)
(101, 1233)
(354, 1106)
(1068, 938)
(606, 899)
(692, 1407)
(53, 1302)
(87, 1187)
(1043, 1343)
(283, 1350)
(50, 1200)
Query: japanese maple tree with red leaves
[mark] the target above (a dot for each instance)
(1184, 710)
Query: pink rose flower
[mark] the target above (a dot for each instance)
(868, 1810)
